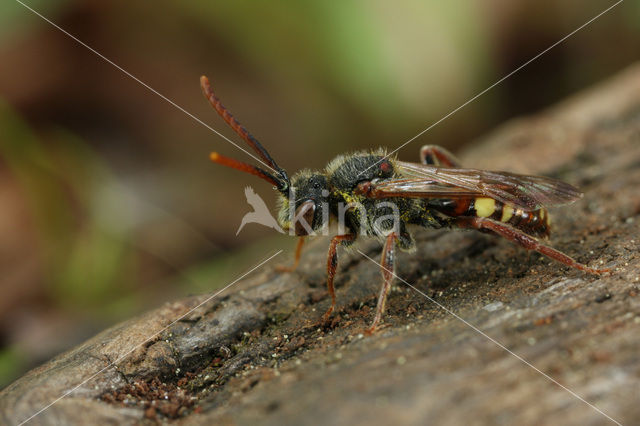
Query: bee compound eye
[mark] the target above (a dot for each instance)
(303, 218)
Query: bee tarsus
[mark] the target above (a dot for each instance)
(332, 265)
(292, 268)
(388, 263)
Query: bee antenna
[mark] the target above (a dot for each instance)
(282, 181)
(244, 167)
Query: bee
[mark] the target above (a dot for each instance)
(373, 195)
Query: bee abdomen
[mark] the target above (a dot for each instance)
(535, 223)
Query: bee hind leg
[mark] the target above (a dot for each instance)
(282, 268)
(524, 240)
(388, 263)
(332, 264)
(435, 155)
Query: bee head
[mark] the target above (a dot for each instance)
(305, 209)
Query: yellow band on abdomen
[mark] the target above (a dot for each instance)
(507, 213)
(485, 207)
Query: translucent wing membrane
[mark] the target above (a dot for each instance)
(522, 191)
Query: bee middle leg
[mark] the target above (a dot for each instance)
(524, 240)
(282, 268)
(388, 263)
(435, 155)
(332, 264)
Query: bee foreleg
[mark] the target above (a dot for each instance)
(524, 240)
(332, 264)
(296, 261)
(438, 156)
(388, 263)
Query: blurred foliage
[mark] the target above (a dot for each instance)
(108, 203)
(84, 263)
(14, 22)
(367, 51)
(12, 361)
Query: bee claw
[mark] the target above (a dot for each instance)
(327, 315)
(284, 269)
(292, 268)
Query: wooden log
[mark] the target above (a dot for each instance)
(522, 324)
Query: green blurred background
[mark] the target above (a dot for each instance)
(108, 204)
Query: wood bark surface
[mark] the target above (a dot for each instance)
(494, 328)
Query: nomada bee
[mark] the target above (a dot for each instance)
(380, 197)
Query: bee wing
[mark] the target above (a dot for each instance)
(522, 191)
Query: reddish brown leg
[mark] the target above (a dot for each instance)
(293, 267)
(525, 241)
(438, 156)
(388, 263)
(332, 264)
